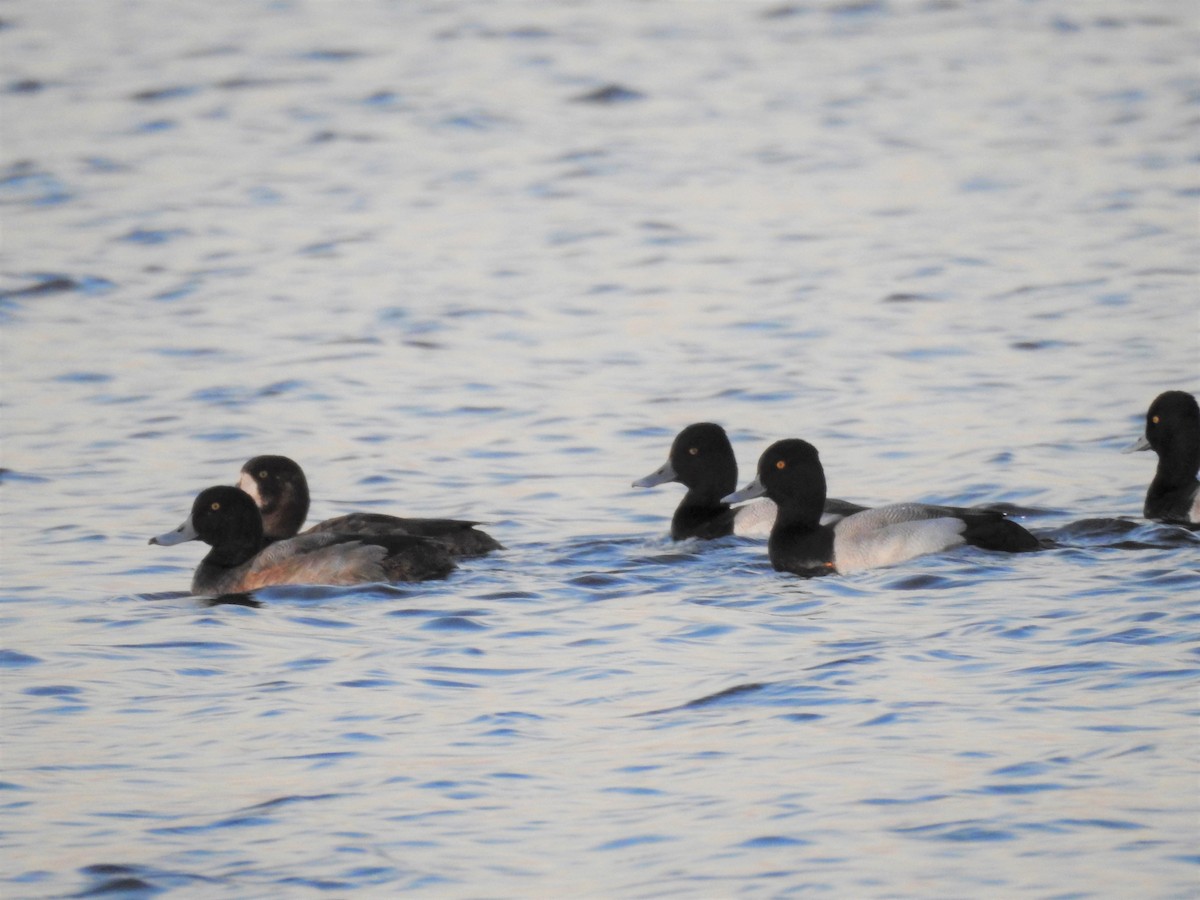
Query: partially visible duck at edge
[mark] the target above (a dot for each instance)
(790, 473)
(1173, 432)
(702, 460)
(279, 488)
(227, 520)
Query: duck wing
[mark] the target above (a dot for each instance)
(460, 535)
(341, 559)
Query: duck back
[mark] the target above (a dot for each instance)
(459, 535)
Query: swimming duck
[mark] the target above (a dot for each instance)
(702, 460)
(226, 519)
(1173, 432)
(279, 488)
(790, 473)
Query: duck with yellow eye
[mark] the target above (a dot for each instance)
(791, 474)
(702, 460)
(1173, 432)
(241, 559)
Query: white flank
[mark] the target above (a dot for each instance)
(755, 519)
(856, 548)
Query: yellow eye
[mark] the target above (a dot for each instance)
(263, 474)
(215, 507)
(693, 450)
(1154, 419)
(780, 464)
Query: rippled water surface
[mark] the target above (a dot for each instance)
(485, 260)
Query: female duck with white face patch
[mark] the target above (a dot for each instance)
(279, 488)
(790, 473)
(702, 460)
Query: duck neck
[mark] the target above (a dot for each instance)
(700, 505)
(798, 521)
(695, 520)
(705, 500)
(1178, 460)
(803, 548)
(284, 515)
(800, 510)
(236, 547)
(799, 542)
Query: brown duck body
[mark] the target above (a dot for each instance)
(331, 558)
(227, 519)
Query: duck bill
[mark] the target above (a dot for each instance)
(749, 492)
(658, 476)
(1140, 444)
(185, 532)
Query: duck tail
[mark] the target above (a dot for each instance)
(1004, 535)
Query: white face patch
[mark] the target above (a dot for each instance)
(250, 486)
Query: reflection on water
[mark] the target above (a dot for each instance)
(485, 262)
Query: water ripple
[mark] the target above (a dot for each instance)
(487, 265)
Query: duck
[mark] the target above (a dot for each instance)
(791, 474)
(702, 460)
(1173, 432)
(241, 560)
(279, 489)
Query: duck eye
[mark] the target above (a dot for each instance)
(692, 451)
(780, 464)
(215, 506)
(1154, 419)
(263, 474)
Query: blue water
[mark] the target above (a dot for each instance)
(484, 260)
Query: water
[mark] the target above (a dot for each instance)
(485, 260)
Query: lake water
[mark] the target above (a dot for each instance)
(484, 260)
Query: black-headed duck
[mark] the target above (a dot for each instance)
(1173, 432)
(702, 460)
(790, 473)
